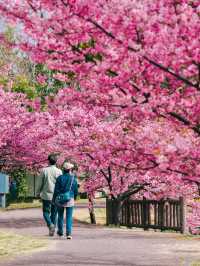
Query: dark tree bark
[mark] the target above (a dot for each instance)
(91, 209)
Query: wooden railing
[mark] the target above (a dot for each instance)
(162, 214)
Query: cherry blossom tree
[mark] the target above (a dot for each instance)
(149, 50)
(24, 135)
(131, 114)
(120, 153)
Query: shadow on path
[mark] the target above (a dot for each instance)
(20, 223)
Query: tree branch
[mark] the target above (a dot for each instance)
(158, 65)
(132, 190)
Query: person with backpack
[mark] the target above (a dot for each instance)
(65, 192)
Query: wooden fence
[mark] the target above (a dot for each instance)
(163, 214)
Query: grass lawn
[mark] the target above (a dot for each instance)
(98, 200)
(12, 244)
(79, 214)
(38, 204)
(83, 215)
(24, 205)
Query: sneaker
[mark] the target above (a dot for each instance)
(51, 230)
(69, 237)
(61, 237)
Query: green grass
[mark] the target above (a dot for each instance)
(82, 215)
(187, 237)
(38, 204)
(195, 263)
(98, 200)
(12, 244)
(24, 205)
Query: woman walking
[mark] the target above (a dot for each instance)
(65, 192)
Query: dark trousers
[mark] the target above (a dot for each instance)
(49, 212)
(69, 220)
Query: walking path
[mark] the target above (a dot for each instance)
(101, 246)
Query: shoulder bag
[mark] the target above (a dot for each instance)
(63, 198)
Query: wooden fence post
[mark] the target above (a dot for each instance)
(144, 213)
(128, 213)
(182, 215)
(117, 208)
(161, 214)
(34, 186)
(107, 211)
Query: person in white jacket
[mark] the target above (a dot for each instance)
(47, 180)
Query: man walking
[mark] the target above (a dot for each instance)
(47, 180)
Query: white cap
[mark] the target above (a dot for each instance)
(68, 166)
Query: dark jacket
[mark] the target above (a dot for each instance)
(63, 183)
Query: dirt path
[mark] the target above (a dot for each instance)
(101, 246)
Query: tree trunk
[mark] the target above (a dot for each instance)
(91, 209)
(116, 212)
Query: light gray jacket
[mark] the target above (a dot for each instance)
(46, 181)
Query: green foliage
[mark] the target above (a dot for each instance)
(51, 86)
(126, 130)
(71, 74)
(9, 34)
(89, 57)
(83, 45)
(3, 81)
(19, 74)
(20, 177)
(111, 73)
(22, 84)
(165, 84)
(23, 75)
